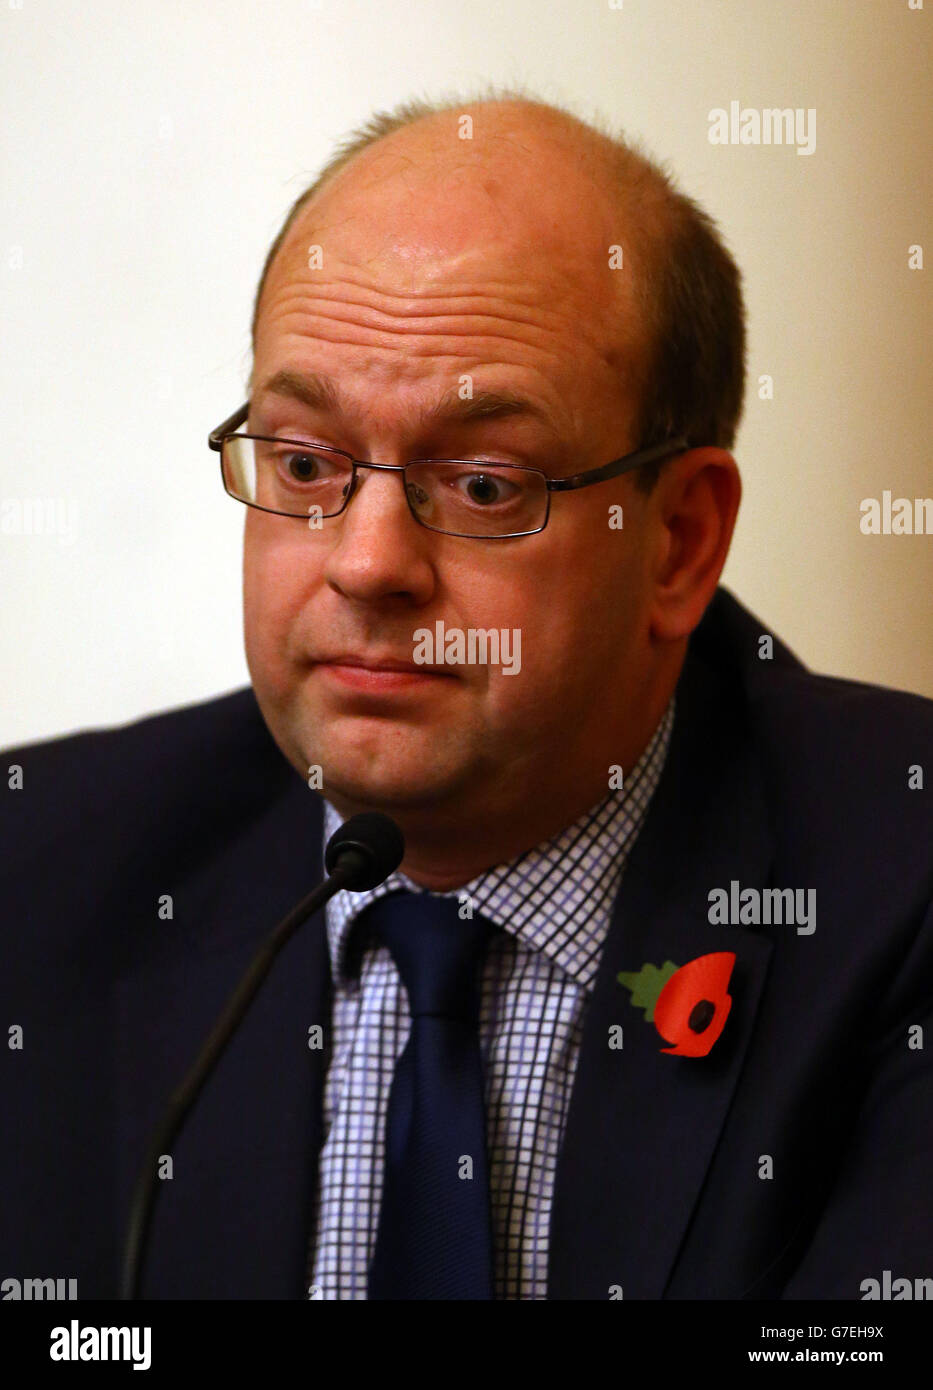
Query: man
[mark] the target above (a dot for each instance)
(683, 1055)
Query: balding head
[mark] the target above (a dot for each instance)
(531, 198)
(680, 337)
(501, 138)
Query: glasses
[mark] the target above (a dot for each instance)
(476, 498)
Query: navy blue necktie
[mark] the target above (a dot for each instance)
(434, 1239)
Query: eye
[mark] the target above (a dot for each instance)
(308, 465)
(302, 467)
(487, 488)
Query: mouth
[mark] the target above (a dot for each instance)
(380, 675)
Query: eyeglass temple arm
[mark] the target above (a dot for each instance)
(215, 438)
(618, 466)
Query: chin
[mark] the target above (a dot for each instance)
(390, 791)
(374, 764)
(357, 781)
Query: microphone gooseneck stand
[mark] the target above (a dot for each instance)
(359, 855)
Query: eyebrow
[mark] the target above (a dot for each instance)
(320, 392)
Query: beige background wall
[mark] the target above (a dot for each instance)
(149, 153)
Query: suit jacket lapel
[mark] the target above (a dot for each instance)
(642, 1124)
(234, 1219)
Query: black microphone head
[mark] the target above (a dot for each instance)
(371, 843)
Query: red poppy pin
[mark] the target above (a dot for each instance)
(688, 1004)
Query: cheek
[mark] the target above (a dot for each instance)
(586, 590)
(274, 594)
(579, 611)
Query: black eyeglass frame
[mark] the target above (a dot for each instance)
(655, 453)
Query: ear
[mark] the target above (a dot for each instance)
(695, 503)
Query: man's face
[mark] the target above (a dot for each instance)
(497, 274)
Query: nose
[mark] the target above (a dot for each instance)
(379, 549)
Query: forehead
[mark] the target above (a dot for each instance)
(432, 276)
(524, 203)
(425, 259)
(438, 349)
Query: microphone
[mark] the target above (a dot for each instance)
(363, 852)
(367, 847)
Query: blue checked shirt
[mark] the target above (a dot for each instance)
(554, 904)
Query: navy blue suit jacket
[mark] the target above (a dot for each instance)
(775, 777)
